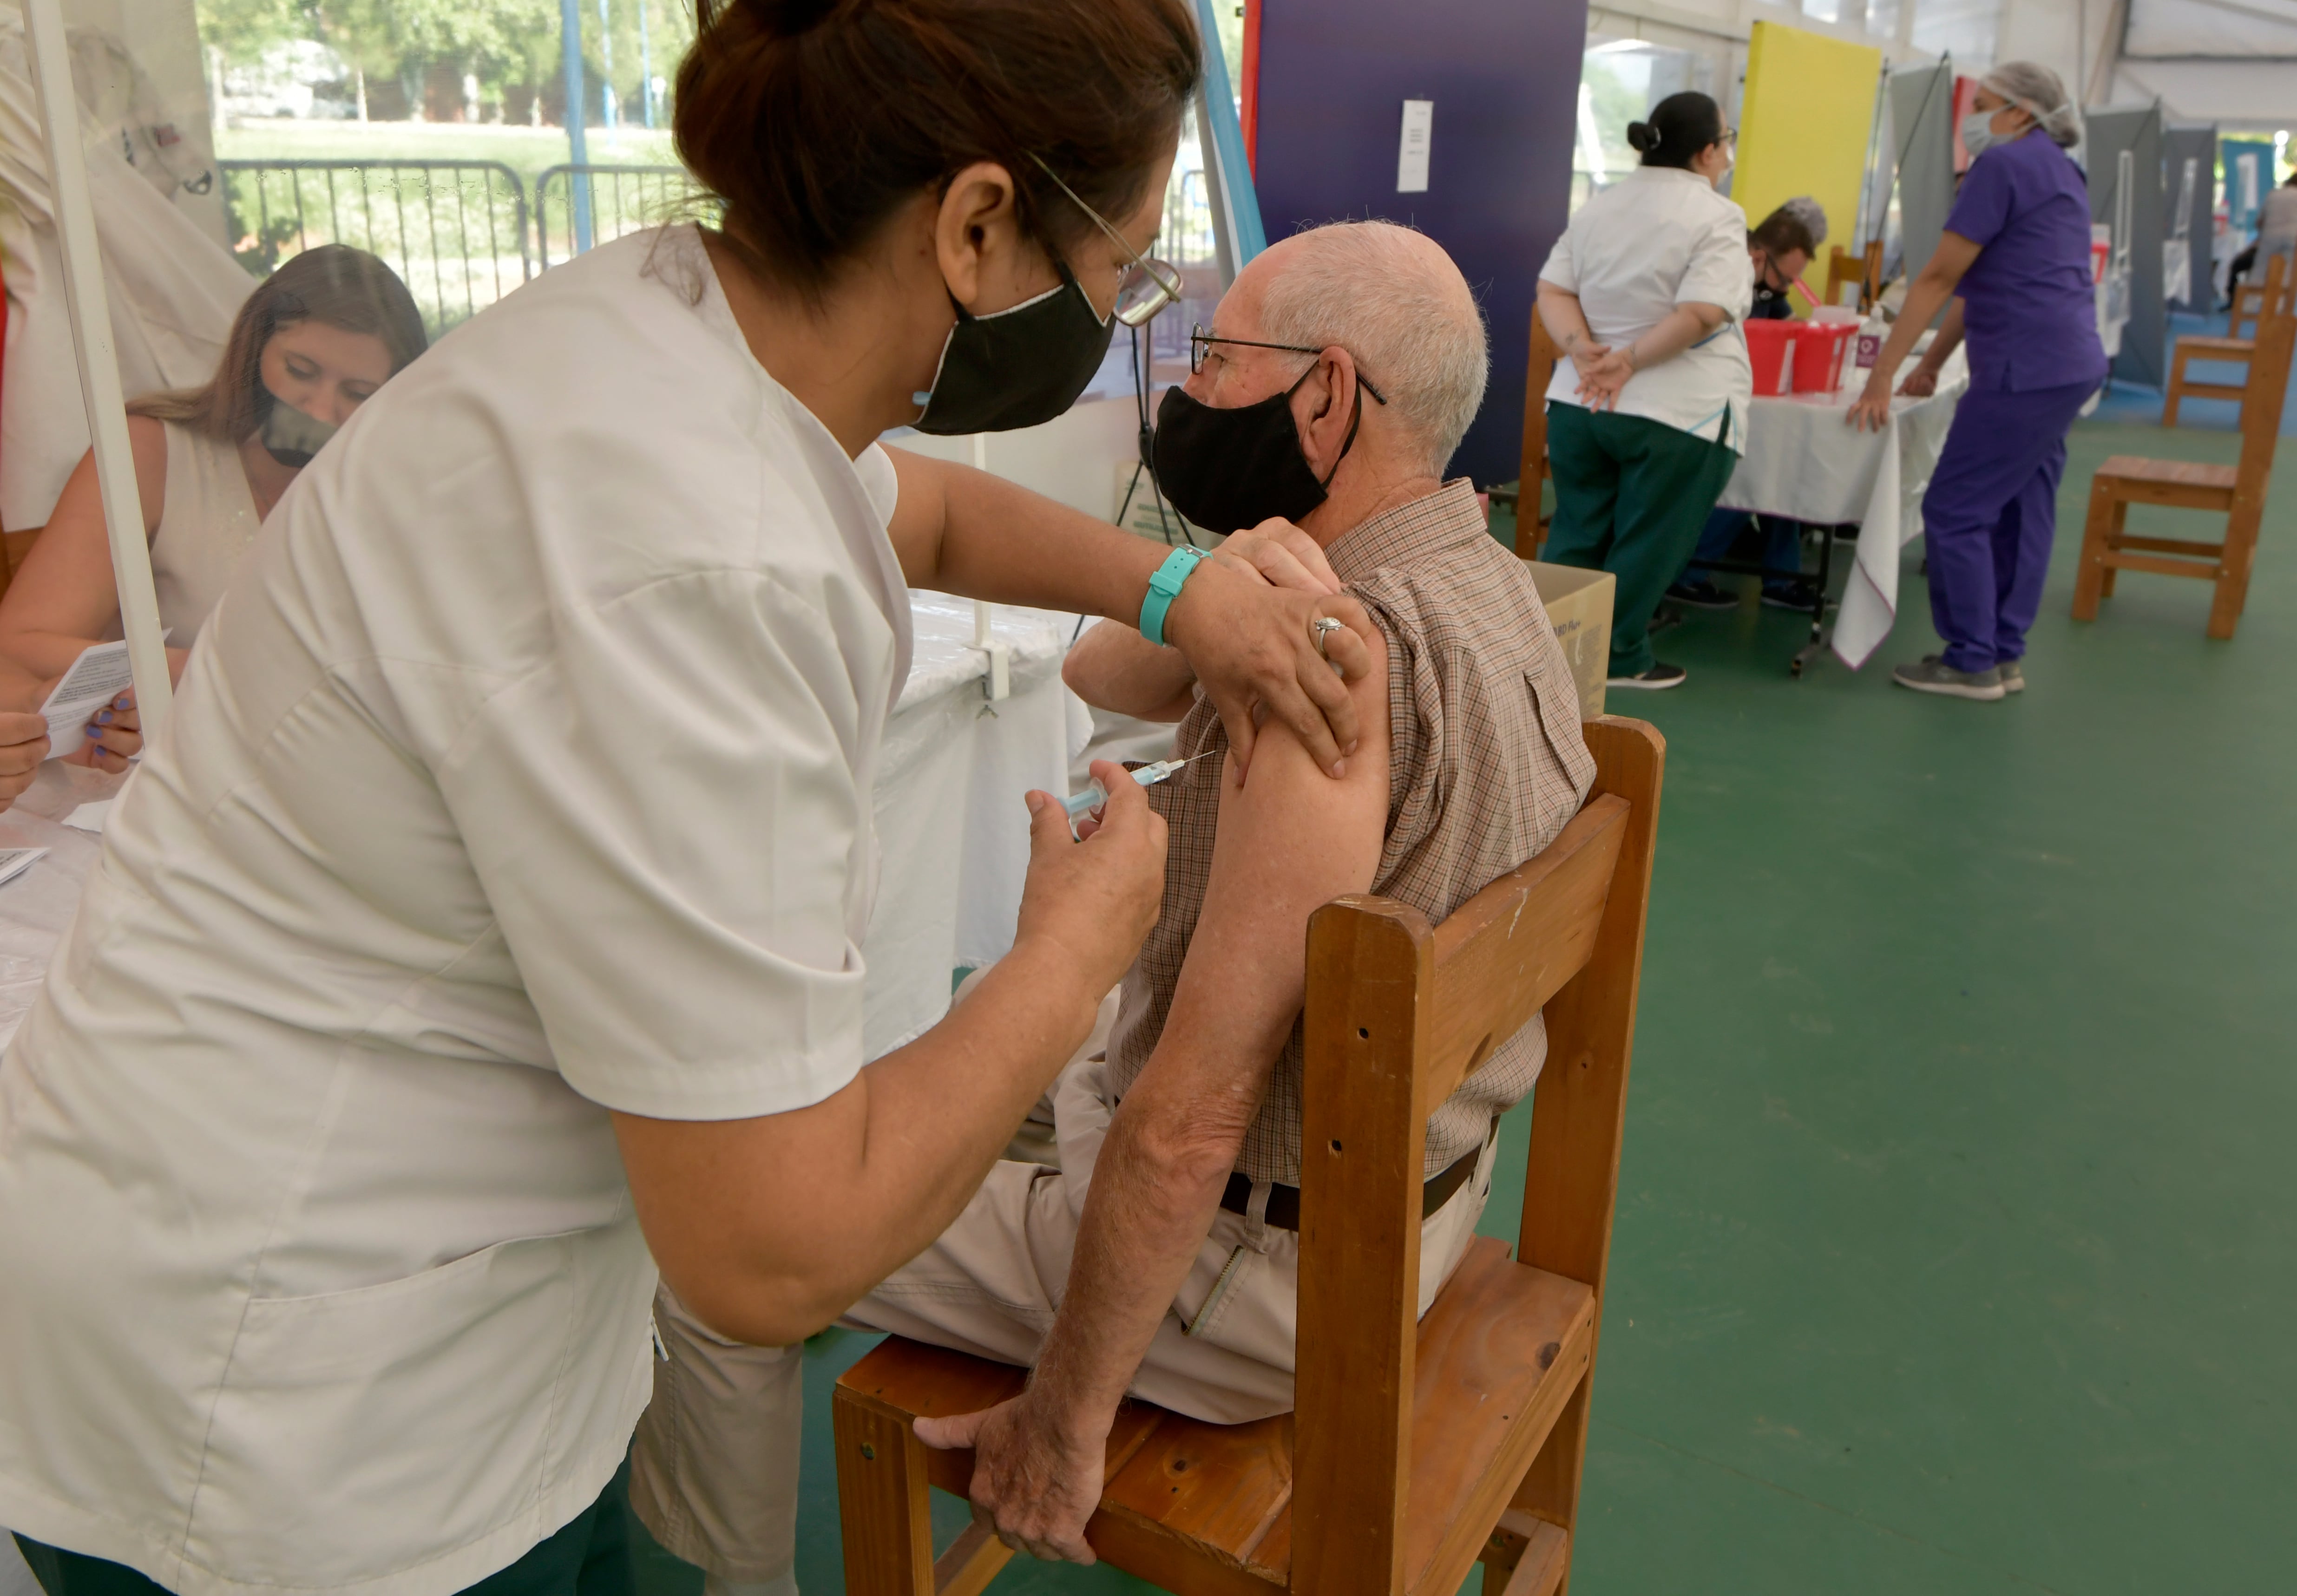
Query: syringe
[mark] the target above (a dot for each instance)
(1084, 805)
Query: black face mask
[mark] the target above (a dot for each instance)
(291, 436)
(1017, 367)
(1230, 469)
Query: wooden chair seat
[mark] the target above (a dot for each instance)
(1499, 1352)
(2237, 493)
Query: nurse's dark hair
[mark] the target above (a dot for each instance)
(1680, 126)
(812, 121)
(344, 287)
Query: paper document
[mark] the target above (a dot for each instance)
(1412, 150)
(15, 861)
(101, 674)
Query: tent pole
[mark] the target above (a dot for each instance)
(99, 367)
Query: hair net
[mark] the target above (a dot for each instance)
(2038, 92)
(1810, 213)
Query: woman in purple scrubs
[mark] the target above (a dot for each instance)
(2016, 262)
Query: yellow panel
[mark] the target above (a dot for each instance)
(1803, 130)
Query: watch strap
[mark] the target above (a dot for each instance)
(1164, 587)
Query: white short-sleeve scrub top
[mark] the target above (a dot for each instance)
(1661, 237)
(523, 773)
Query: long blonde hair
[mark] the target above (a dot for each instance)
(334, 284)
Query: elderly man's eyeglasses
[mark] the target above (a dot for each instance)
(1148, 285)
(1200, 341)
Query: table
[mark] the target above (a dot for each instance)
(953, 834)
(1803, 463)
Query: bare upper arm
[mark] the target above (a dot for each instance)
(65, 584)
(1290, 840)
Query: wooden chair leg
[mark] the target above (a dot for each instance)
(2092, 578)
(2119, 519)
(882, 1502)
(2177, 388)
(1549, 1491)
(2231, 594)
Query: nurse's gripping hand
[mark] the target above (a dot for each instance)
(1252, 648)
(1094, 900)
(23, 744)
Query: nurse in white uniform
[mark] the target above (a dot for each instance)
(482, 931)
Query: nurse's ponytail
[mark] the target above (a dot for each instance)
(1680, 126)
(813, 121)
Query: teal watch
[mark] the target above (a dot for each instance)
(1164, 587)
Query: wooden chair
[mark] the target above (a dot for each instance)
(1534, 472)
(1865, 269)
(2270, 297)
(2235, 492)
(1417, 1450)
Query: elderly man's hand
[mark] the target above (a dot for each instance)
(1036, 1472)
(1283, 555)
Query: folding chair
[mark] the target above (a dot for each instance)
(2235, 492)
(2270, 297)
(1417, 1450)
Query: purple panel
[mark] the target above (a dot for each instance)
(1504, 74)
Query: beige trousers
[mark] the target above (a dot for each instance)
(714, 1474)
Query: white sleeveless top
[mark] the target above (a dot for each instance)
(206, 528)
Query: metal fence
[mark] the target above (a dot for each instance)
(576, 207)
(455, 231)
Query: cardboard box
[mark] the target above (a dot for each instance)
(1579, 604)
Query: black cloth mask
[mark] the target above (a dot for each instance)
(1230, 469)
(1018, 367)
(291, 436)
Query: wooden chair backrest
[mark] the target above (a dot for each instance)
(1531, 469)
(1398, 1013)
(2266, 390)
(2253, 301)
(1845, 267)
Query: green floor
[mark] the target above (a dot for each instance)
(1957, 1233)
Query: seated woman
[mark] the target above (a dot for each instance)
(316, 338)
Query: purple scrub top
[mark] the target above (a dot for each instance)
(2028, 310)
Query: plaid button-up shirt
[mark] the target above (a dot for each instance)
(1486, 764)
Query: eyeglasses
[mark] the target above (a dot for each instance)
(1148, 285)
(1199, 341)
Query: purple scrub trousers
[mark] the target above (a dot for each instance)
(1990, 515)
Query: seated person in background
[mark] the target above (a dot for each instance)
(1781, 249)
(1161, 1256)
(313, 340)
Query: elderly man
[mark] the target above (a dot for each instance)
(1161, 1256)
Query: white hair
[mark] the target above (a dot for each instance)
(1811, 214)
(2041, 94)
(1393, 298)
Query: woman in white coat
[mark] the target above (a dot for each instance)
(482, 931)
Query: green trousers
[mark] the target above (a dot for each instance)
(1631, 496)
(591, 1557)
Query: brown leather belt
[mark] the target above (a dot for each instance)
(1284, 1201)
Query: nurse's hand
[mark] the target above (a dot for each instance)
(1872, 412)
(1282, 555)
(113, 734)
(23, 744)
(1250, 645)
(1094, 900)
(1921, 384)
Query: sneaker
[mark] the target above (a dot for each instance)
(1657, 677)
(1934, 675)
(1801, 593)
(2013, 679)
(1703, 595)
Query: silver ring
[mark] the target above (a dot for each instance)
(1321, 628)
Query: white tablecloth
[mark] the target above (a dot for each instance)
(1804, 463)
(952, 830)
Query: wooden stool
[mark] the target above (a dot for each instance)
(1417, 1450)
(2270, 297)
(2235, 492)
